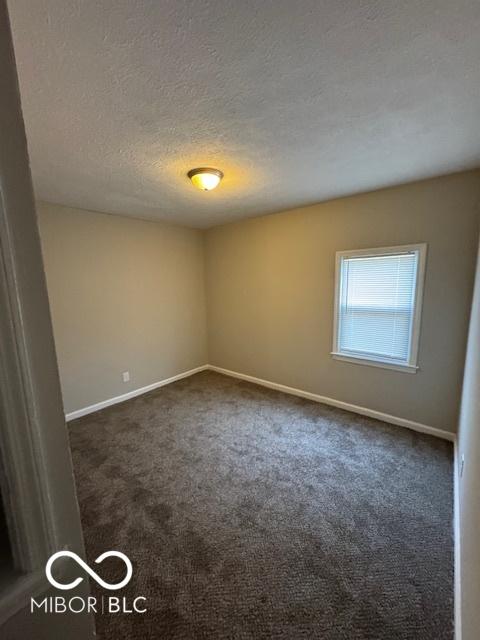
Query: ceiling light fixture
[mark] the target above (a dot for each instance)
(205, 178)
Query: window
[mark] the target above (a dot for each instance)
(378, 297)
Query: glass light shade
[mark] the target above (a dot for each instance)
(205, 179)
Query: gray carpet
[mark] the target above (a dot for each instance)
(251, 514)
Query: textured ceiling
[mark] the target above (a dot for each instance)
(296, 101)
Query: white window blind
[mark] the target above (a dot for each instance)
(376, 305)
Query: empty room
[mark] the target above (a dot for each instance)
(239, 320)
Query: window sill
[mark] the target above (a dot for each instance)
(383, 364)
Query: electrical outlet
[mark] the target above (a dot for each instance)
(462, 464)
(126, 376)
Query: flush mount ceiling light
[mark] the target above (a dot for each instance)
(205, 178)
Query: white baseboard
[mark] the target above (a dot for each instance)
(371, 413)
(456, 543)
(131, 394)
(364, 411)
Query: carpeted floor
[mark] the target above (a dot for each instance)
(249, 514)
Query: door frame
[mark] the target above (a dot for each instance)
(36, 473)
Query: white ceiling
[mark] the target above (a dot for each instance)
(296, 101)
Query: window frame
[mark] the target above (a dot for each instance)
(411, 365)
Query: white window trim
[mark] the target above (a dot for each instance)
(384, 363)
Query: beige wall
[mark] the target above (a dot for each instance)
(130, 295)
(125, 294)
(270, 284)
(469, 483)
